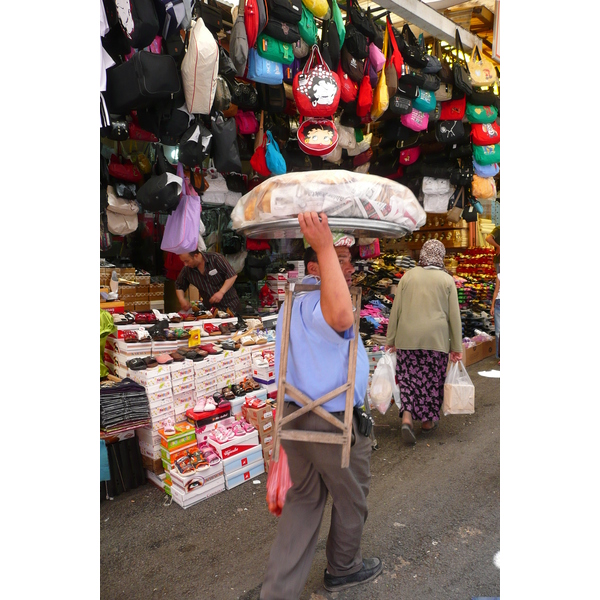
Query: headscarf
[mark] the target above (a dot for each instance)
(432, 254)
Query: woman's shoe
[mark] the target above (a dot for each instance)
(408, 434)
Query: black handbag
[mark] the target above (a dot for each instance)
(352, 66)
(449, 132)
(245, 146)
(469, 214)
(462, 175)
(439, 170)
(236, 182)
(400, 105)
(139, 21)
(288, 11)
(356, 43)
(117, 131)
(225, 153)
(330, 44)
(487, 98)
(222, 100)
(282, 31)
(243, 95)
(361, 20)
(231, 243)
(386, 163)
(195, 145)
(271, 98)
(210, 13)
(226, 66)
(378, 39)
(412, 53)
(174, 46)
(297, 160)
(408, 90)
(445, 73)
(462, 77)
(144, 80)
(461, 151)
(159, 194)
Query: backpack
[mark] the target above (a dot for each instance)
(199, 69)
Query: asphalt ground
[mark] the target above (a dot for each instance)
(434, 520)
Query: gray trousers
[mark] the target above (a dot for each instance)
(315, 470)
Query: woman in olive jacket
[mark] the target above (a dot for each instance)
(425, 329)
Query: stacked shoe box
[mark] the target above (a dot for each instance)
(277, 282)
(187, 490)
(263, 370)
(242, 458)
(157, 383)
(297, 272)
(262, 415)
(183, 386)
(206, 422)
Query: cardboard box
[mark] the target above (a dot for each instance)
(236, 445)
(478, 352)
(238, 477)
(258, 416)
(153, 465)
(113, 307)
(142, 306)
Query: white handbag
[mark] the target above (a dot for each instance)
(335, 156)
(120, 205)
(434, 185)
(217, 191)
(437, 202)
(363, 168)
(361, 146)
(346, 137)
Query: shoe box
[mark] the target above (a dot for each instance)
(242, 460)
(267, 451)
(236, 445)
(170, 456)
(199, 419)
(186, 484)
(182, 403)
(185, 433)
(185, 500)
(258, 416)
(154, 465)
(203, 431)
(247, 472)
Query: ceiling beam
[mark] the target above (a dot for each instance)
(484, 15)
(426, 18)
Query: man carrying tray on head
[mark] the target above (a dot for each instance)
(321, 329)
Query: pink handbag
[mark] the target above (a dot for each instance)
(376, 57)
(246, 121)
(183, 224)
(415, 120)
(409, 155)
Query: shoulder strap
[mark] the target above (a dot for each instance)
(459, 46)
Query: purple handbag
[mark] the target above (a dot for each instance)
(183, 224)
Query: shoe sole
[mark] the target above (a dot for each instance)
(408, 435)
(345, 586)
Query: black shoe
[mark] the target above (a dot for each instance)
(371, 568)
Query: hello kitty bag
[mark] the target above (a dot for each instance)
(316, 88)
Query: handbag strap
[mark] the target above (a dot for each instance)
(476, 50)
(459, 46)
(457, 196)
(309, 63)
(410, 36)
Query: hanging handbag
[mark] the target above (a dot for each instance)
(399, 105)
(445, 73)
(352, 66)
(346, 136)
(243, 95)
(272, 98)
(444, 92)
(462, 175)
(433, 65)
(195, 145)
(258, 161)
(408, 90)
(396, 56)
(481, 114)
(462, 77)
(408, 156)
(469, 213)
(273, 157)
(486, 170)
(225, 152)
(484, 98)
(238, 43)
(449, 132)
(487, 155)
(415, 120)
(289, 11)
(308, 27)
(263, 70)
(246, 122)
(425, 101)
(365, 94)
(483, 134)
(461, 151)
(453, 110)
(483, 187)
(377, 57)
(139, 21)
(355, 42)
(282, 31)
(360, 20)
(362, 158)
(455, 205)
(125, 171)
(377, 39)
(316, 88)
(482, 70)
(210, 13)
(330, 45)
(381, 95)
(160, 193)
(348, 87)
(183, 224)
(222, 100)
(412, 53)
(317, 136)
(437, 202)
(274, 49)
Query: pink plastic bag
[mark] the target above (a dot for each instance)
(278, 483)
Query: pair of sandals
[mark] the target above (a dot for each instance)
(133, 336)
(196, 355)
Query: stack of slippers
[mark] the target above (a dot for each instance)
(196, 354)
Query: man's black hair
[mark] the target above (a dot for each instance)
(309, 256)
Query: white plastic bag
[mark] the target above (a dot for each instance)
(459, 391)
(383, 383)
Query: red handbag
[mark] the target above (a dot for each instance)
(453, 110)
(316, 88)
(362, 158)
(365, 94)
(485, 134)
(409, 155)
(259, 159)
(317, 136)
(349, 88)
(137, 133)
(396, 58)
(125, 171)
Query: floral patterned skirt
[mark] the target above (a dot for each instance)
(421, 375)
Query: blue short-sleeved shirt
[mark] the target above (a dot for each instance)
(318, 355)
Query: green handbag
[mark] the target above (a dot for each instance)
(486, 155)
(275, 50)
(308, 27)
(336, 15)
(481, 114)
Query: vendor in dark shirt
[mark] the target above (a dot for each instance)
(214, 277)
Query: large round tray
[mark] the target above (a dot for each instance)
(289, 228)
